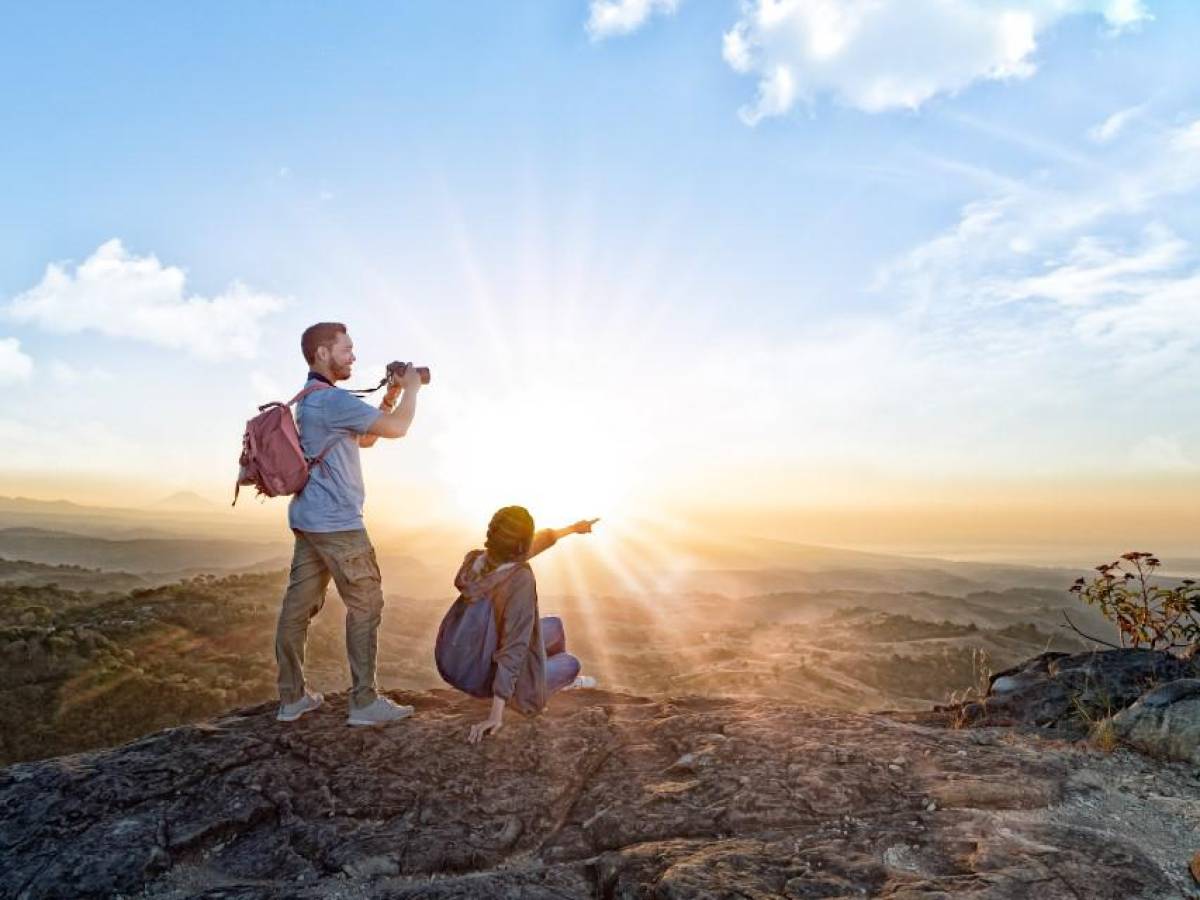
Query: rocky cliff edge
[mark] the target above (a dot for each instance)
(604, 795)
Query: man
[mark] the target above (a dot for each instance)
(326, 518)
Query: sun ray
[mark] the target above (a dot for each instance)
(591, 621)
(666, 631)
(481, 295)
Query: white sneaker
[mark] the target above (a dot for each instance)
(380, 711)
(290, 712)
(581, 681)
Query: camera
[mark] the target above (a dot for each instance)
(398, 369)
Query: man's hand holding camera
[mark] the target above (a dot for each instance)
(404, 380)
(401, 377)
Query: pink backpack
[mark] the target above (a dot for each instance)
(272, 459)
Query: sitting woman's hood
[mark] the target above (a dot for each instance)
(473, 582)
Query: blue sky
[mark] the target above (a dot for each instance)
(952, 240)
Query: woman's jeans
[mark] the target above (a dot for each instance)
(561, 666)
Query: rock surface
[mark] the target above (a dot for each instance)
(605, 795)
(1069, 692)
(1164, 722)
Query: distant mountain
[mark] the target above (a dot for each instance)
(189, 532)
(185, 501)
(1182, 566)
(76, 578)
(26, 504)
(650, 562)
(141, 555)
(181, 514)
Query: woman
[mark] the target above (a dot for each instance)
(531, 660)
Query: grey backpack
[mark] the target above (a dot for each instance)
(468, 637)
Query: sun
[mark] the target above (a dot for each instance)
(549, 449)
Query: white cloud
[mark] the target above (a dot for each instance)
(608, 18)
(1122, 14)
(1095, 269)
(1158, 326)
(68, 375)
(877, 55)
(1039, 241)
(15, 364)
(1060, 309)
(118, 294)
(1112, 127)
(65, 373)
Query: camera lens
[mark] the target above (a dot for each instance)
(398, 369)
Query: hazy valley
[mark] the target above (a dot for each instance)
(103, 639)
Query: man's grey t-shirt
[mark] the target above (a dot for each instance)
(332, 500)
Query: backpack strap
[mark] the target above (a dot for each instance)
(300, 396)
(311, 389)
(319, 459)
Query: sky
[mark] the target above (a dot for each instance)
(774, 261)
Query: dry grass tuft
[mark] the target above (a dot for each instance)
(1104, 736)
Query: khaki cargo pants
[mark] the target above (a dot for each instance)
(348, 558)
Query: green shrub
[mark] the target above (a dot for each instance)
(1146, 614)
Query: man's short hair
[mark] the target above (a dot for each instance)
(323, 334)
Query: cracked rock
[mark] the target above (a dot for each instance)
(602, 795)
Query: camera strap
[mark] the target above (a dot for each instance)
(362, 392)
(358, 392)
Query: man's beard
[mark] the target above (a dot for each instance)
(341, 373)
